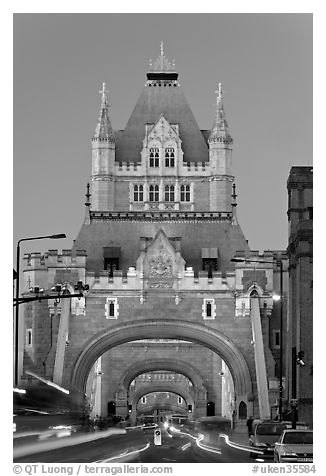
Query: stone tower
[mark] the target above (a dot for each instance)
(156, 250)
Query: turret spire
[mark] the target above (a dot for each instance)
(103, 129)
(220, 130)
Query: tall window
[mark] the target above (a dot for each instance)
(29, 337)
(138, 193)
(185, 193)
(169, 157)
(154, 157)
(154, 195)
(111, 308)
(169, 193)
(209, 309)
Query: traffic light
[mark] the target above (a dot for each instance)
(189, 408)
(129, 408)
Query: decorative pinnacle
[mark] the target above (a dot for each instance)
(219, 95)
(162, 64)
(104, 94)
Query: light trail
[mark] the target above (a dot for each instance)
(122, 455)
(47, 382)
(186, 446)
(198, 440)
(248, 449)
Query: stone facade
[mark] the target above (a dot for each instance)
(300, 325)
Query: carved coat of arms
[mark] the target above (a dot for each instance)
(161, 265)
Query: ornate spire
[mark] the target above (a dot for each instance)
(162, 64)
(103, 129)
(220, 130)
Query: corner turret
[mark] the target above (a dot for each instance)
(220, 157)
(103, 157)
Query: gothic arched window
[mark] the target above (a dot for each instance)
(185, 193)
(169, 157)
(154, 193)
(154, 157)
(138, 193)
(169, 193)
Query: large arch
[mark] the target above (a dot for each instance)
(166, 329)
(171, 365)
(162, 387)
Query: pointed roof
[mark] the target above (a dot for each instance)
(220, 130)
(103, 129)
(162, 94)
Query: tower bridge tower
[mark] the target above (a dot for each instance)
(155, 248)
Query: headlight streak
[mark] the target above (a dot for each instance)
(19, 390)
(249, 449)
(186, 446)
(122, 455)
(198, 440)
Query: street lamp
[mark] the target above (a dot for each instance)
(279, 263)
(52, 237)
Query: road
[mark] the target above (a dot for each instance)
(136, 446)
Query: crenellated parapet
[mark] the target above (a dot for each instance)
(45, 270)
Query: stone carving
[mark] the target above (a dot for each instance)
(160, 285)
(161, 265)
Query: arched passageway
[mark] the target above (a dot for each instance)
(166, 329)
(146, 389)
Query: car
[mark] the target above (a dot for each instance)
(294, 446)
(264, 436)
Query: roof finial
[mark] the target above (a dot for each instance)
(219, 94)
(87, 220)
(104, 94)
(234, 205)
(88, 196)
(162, 48)
(220, 90)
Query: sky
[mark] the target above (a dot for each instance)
(264, 62)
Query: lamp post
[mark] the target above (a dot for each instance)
(279, 263)
(52, 237)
